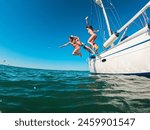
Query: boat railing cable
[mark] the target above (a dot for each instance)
(145, 17)
(124, 33)
(137, 24)
(141, 22)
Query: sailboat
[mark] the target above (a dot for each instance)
(131, 55)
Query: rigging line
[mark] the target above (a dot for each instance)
(111, 20)
(137, 24)
(103, 28)
(98, 19)
(101, 22)
(115, 18)
(112, 23)
(104, 37)
(124, 33)
(117, 15)
(141, 21)
(91, 15)
(145, 17)
(119, 19)
(97, 16)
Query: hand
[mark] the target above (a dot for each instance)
(61, 46)
(64, 45)
(86, 17)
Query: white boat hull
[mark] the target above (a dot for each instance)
(131, 56)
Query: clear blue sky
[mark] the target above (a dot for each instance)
(32, 30)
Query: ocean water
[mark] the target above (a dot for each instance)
(46, 91)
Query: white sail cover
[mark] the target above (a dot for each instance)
(110, 41)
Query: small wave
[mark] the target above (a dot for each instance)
(30, 90)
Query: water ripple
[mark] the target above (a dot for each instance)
(30, 90)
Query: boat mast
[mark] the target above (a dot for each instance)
(100, 3)
(113, 37)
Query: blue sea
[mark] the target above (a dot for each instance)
(51, 91)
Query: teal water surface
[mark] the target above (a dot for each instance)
(31, 90)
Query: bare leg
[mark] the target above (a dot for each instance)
(91, 41)
(76, 52)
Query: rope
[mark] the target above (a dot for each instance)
(91, 15)
(115, 17)
(137, 24)
(124, 33)
(141, 21)
(145, 17)
(98, 19)
(113, 23)
(115, 13)
(119, 20)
